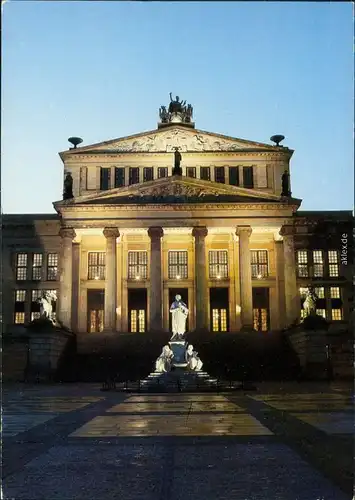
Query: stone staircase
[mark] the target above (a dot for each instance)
(178, 380)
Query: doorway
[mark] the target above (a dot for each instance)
(95, 308)
(261, 309)
(184, 292)
(137, 310)
(219, 309)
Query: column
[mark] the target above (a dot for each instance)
(246, 290)
(111, 234)
(155, 296)
(292, 300)
(280, 284)
(202, 299)
(66, 276)
(76, 287)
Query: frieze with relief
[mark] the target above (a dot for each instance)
(167, 140)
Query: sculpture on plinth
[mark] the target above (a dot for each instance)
(309, 304)
(179, 312)
(194, 363)
(68, 187)
(163, 363)
(177, 112)
(285, 181)
(46, 304)
(177, 170)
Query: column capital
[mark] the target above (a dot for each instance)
(67, 232)
(200, 232)
(111, 232)
(287, 230)
(155, 232)
(245, 229)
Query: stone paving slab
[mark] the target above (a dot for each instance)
(331, 423)
(172, 425)
(178, 406)
(15, 424)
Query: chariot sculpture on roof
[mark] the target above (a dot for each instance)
(177, 112)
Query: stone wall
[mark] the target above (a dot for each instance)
(46, 348)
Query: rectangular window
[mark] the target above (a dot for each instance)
(319, 291)
(105, 178)
(35, 305)
(137, 265)
(218, 264)
(321, 312)
(337, 314)
(133, 175)
(318, 264)
(205, 173)
(219, 175)
(333, 259)
(191, 172)
(19, 312)
(303, 292)
(177, 264)
(260, 319)
(259, 263)
(21, 266)
(162, 172)
(147, 174)
(335, 292)
(302, 263)
(248, 180)
(96, 265)
(37, 266)
(137, 320)
(219, 320)
(119, 177)
(234, 176)
(52, 266)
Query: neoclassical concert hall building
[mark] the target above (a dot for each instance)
(176, 210)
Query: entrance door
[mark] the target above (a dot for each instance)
(219, 309)
(184, 297)
(137, 310)
(261, 309)
(95, 319)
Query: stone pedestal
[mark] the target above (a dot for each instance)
(179, 350)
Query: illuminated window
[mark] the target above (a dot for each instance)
(218, 264)
(333, 259)
(321, 312)
(96, 265)
(337, 314)
(20, 300)
(303, 313)
(137, 319)
(21, 266)
(259, 263)
(37, 266)
(177, 264)
(133, 321)
(318, 263)
(302, 263)
(319, 290)
(191, 172)
(335, 292)
(260, 320)
(303, 291)
(162, 172)
(219, 320)
(141, 320)
(219, 175)
(35, 305)
(52, 266)
(205, 173)
(147, 174)
(137, 265)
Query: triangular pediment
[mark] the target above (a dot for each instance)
(174, 189)
(166, 139)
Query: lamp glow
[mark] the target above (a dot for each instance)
(96, 277)
(137, 277)
(178, 276)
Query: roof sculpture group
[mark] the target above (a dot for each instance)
(178, 111)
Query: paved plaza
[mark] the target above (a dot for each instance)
(278, 443)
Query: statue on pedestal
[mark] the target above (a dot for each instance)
(193, 361)
(309, 304)
(177, 112)
(68, 187)
(285, 181)
(46, 304)
(177, 170)
(179, 313)
(163, 363)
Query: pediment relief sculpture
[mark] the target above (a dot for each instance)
(178, 190)
(168, 140)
